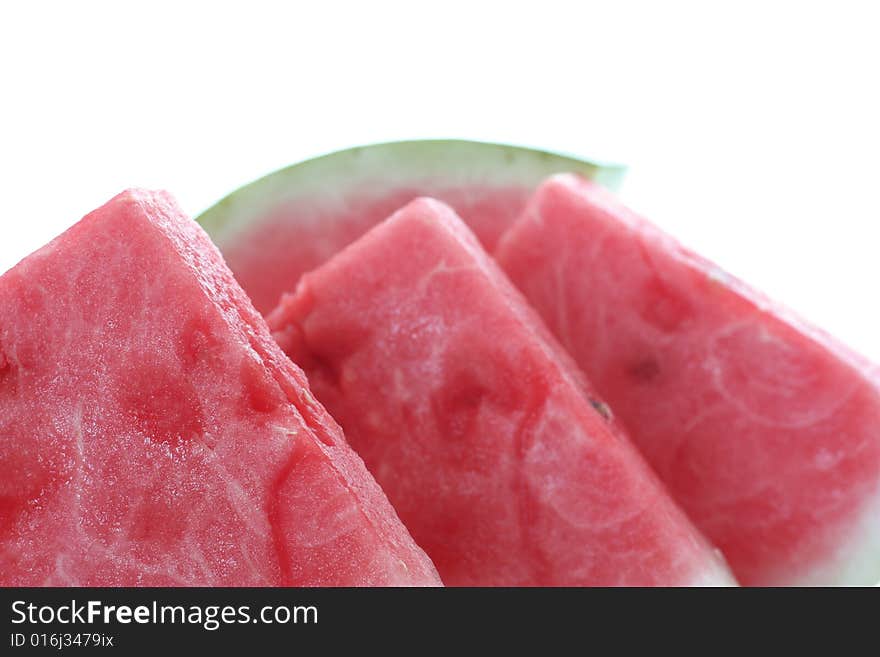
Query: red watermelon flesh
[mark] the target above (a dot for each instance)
(495, 452)
(283, 225)
(271, 255)
(152, 433)
(764, 429)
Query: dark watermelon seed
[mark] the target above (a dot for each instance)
(601, 408)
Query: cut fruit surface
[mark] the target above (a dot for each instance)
(279, 227)
(497, 455)
(152, 433)
(764, 429)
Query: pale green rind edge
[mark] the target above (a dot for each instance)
(453, 161)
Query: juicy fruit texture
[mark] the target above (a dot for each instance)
(764, 430)
(496, 454)
(289, 222)
(152, 433)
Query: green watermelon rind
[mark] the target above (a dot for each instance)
(454, 162)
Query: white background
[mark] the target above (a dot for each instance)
(751, 129)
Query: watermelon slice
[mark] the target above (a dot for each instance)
(765, 430)
(281, 226)
(496, 454)
(152, 433)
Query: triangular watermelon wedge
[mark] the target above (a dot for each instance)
(500, 459)
(766, 430)
(279, 227)
(152, 433)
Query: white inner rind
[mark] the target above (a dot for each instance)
(856, 561)
(451, 163)
(717, 575)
